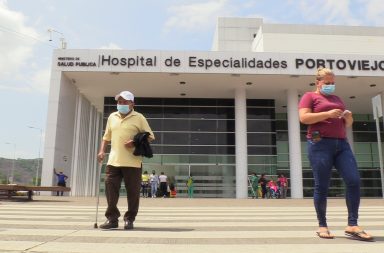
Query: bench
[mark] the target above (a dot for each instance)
(11, 189)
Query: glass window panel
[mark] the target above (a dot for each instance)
(176, 125)
(262, 159)
(158, 138)
(225, 125)
(227, 159)
(364, 126)
(281, 125)
(261, 150)
(361, 117)
(175, 149)
(156, 149)
(176, 138)
(203, 150)
(176, 101)
(261, 139)
(109, 100)
(176, 112)
(281, 116)
(203, 102)
(362, 147)
(283, 157)
(374, 147)
(155, 124)
(203, 112)
(203, 159)
(365, 137)
(261, 102)
(281, 136)
(282, 147)
(150, 111)
(148, 101)
(225, 113)
(226, 139)
(260, 126)
(363, 157)
(203, 139)
(260, 113)
(203, 125)
(225, 102)
(222, 150)
(175, 158)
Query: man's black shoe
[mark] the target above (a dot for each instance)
(109, 224)
(128, 224)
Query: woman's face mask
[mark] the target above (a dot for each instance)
(327, 85)
(327, 89)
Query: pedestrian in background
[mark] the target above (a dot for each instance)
(163, 184)
(263, 184)
(190, 186)
(282, 183)
(144, 184)
(154, 181)
(61, 180)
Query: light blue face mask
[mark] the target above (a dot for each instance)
(123, 109)
(328, 89)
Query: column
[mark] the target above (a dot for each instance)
(349, 133)
(296, 173)
(241, 143)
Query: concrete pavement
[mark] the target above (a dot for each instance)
(65, 224)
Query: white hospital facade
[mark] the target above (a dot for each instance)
(221, 114)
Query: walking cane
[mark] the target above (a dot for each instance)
(100, 165)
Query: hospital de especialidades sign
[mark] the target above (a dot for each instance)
(216, 62)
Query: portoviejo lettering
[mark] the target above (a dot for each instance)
(195, 62)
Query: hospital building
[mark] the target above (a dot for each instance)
(222, 114)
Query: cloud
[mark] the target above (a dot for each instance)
(326, 11)
(197, 16)
(17, 49)
(374, 11)
(41, 80)
(341, 12)
(111, 45)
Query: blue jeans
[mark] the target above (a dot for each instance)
(153, 189)
(323, 155)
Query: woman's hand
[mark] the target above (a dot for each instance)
(335, 113)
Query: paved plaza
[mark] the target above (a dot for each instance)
(66, 224)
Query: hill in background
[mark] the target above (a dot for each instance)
(24, 170)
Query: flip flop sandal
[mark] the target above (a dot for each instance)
(358, 236)
(325, 235)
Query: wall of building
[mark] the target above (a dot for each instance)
(235, 34)
(322, 43)
(86, 139)
(60, 130)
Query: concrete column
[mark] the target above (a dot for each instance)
(241, 143)
(296, 173)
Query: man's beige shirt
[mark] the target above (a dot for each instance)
(119, 130)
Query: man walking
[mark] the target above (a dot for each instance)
(120, 130)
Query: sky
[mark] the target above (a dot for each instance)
(26, 46)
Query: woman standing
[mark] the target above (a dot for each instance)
(190, 186)
(327, 118)
(263, 183)
(282, 182)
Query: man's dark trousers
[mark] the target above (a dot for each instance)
(132, 181)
